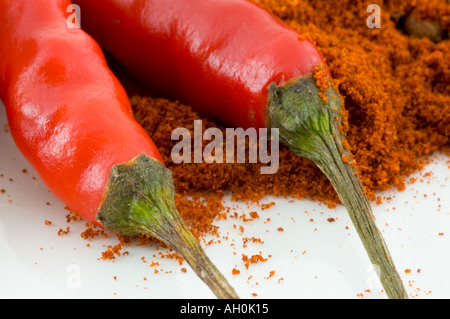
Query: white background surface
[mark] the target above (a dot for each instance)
(312, 257)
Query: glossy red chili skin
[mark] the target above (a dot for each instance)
(68, 114)
(217, 56)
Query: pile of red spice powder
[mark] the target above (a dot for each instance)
(395, 92)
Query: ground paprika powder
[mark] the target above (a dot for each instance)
(395, 94)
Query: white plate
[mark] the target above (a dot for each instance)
(311, 258)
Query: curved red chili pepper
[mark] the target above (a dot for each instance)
(235, 63)
(218, 56)
(72, 120)
(68, 114)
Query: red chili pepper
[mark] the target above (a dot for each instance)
(219, 57)
(237, 64)
(72, 120)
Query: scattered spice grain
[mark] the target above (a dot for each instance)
(253, 259)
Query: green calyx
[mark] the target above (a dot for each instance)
(303, 117)
(140, 199)
(308, 121)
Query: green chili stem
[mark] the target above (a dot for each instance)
(308, 120)
(352, 196)
(140, 199)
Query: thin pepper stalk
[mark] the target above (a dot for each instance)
(308, 119)
(140, 199)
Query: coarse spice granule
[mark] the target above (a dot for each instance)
(395, 90)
